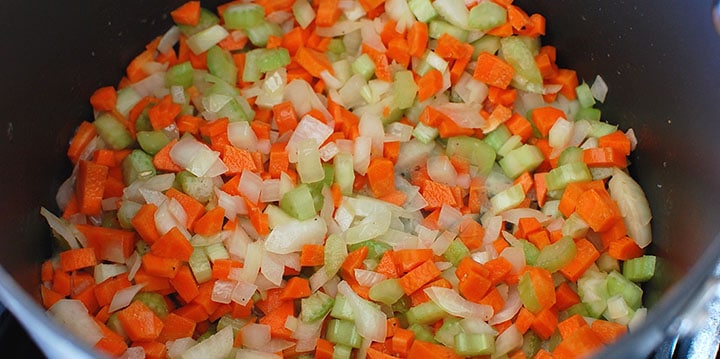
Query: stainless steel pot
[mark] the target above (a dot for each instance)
(661, 61)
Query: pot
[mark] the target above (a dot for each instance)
(661, 62)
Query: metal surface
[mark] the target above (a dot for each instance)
(659, 59)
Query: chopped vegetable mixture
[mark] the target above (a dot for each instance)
(349, 179)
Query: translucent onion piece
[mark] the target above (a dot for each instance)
(133, 264)
(241, 135)
(151, 85)
(272, 268)
(134, 353)
(290, 237)
(61, 227)
(599, 89)
(516, 256)
(451, 301)
(477, 326)
(308, 128)
(507, 341)
(124, 297)
(255, 336)
(169, 39)
(449, 218)
(222, 291)
(513, 215)
(512, 307)
(74, 317)
(243, 292)
(218, 345)
(369, 319)
(250, 186)
(492, 229)
(368, 278)
(633, 205)
(441, 170)
(256, 354)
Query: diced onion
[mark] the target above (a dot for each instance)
(243, 292)
(60, 227)
(152, 85)
(451, 301)
(292, 236)
(136, 352)
(241, 135)
(255, 336)
(633, 206)
(250, 186)
(449, 218)
(370, 321)
(512, 307)
(272, 268)
(508, 340)
(222, 291)
(516, 256)
(492, 229)
(218, 345)
(514, 215)
(368, 278)
(308, 128)
(124, 297)
(599, 89)
(441, 170)
(133, 264)
(74, 317)
(169, 39)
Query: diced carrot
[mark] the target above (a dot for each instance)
(74, 259)
(545, 323)
(624, 248)
(163, 113)
(111, 244)
(83, 135)
(417, 38)
(604, 157)
(586, 255)
(580, 343)
(421, 349)
(419, 276)
(312, 255)
(608, 332)
(211, 222)
(598, 209)
(139, 322)
(187, 14)
(570, 325)
(545, 117)
(569, 81)
(524, 320)
(89, 187)
(407, 259)
(172, 244)
(381, 176)
(295, 288)
(354, 260)
(313, 61)
(193, 208)
(402, 341)
(474, 286)
(493, 71)
(565, 297)
(160, 266)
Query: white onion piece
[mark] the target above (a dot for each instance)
(470, 90)
(243, 292)
(599, 89)
(399, 11)
(255, 336)
(66, 190)
(369, 320)
(630, 134)
(507, 341)
(477, 326)
(513, 215)
(318, 279)
(290, 237)
(103, 271)
(512, 307)
(169, 39)
(233, 205)
(241, 135)
(368, 278)
(272, 268)
(580, 132)
(326, 212)
(277, 345)
(196, 157)
(370, 36)
(153, 197)
(516, 257)
(441, 170)
(398, 132)
(361, 154)
(218, 345)
(637, 319)
(492, 229)
(559, 136)
(442, 243)
(151, 85)
(451, 301)
(449, 217)
(175, 348)
(133, 353)
(124, 297)
(74, 317)
(270, 190)
(255, 354)
(304, 98)
(250, 186)
(222, 291)
(152, 67)
(328, 151)
(465, 115)
(61, 227)
(633, 205)
(133, 264)
(308, 128)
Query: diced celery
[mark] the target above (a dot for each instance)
(531, 344)
(303, 12)
(551, 208)
(487, 43)
(437, 28)
(152, 141)
(127, 98)
(220, 63)
(200, 188)
(607, 264)
(533, 43)
(559, 177)
(471, 344)
(315, 307)
(113, 322)
(251, 70)
(259, 34)
(584, 95)
(227, 320)
(574, 226)
(579, 308)
(589, 114)
(554, 340)
(364, 65)
(497, 137)
(216, 251)
(243, 16)
(524, 158)
(456, 252)
(423, 332)
(273, 59)
(375, 249)
(335, 254)
(200, 265)
(454, 11)
(180, 75)
(425, 313)
(207, 19)
(639, 269)
(593, 292)
(205, 39)
(556, 255)
(387, 291)
(336, 46)
(599, 128)
(309, 166)
(445, 335)
(154, 301)
(527, 75)
(137, 165)
(112, 131)
(422, 9)
(487, 15)
(425, 133)
(475, 150)
(570, 155)
(142, 247)
(507, 199)
(404, 89)
(402, 305)
(526, 290)
(531, 252)
(344, 172)
(128, 209)
(237, 109)
(341, 351)
(631, 292)
(299, 203)
(343, 332)
(514, 142)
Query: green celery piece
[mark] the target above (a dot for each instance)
(387, 291)
(513, 143)
(341, 351)
(507, 199)
(631, 292)
(456, 252)
(200, 265)
(259, 34)
(445, 335)
(220, 87)
(142, 247)
(402, 305)
(593, 292)
(375, 249)
(221, 64)
(273, 59)
(340, 331)
(475, 150)
(607, 264)
(425, 313)
(527, 293)
(404, 89)
(422, 332)
(207, 19)
(335, 254)
(243, 16)
(127, 98)
(425, 133)
(299, 203)
(112, 132)
(560, 176)
(422, 9)
(235, 323)
(315, 307)
(152, 141)
(579, 308)
(487, 15)
(599, 128)
(235, 111)
(531, 344)
(574, 226)
(472, 344)
(437, 28)
(336, 46)
(180, 75)
(584, 95)
(524, 158)
(590, 114)
(532, 43)
(126, 212)
(251, 70)
(556, 255)
(200, 188)
(154, 301)
(216, 251)
(527, 75)
(143, 121)
(113, 322)
(344, 172)
(497, 137)
(639, 269)
(363, 65)
(487, 43)
(137, 165)
(570, 155)
(531, 252)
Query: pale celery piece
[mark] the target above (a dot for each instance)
(128, 209)
(344, 172)
(527, 294)
(631, 292)
(487, 15)
(315, 307)
(298, 203)
(475, 150)
(137, 165)
(340, 331)
(524, 158)
(154, 301)
(531, 252)
(207, 19)
(422, 332)
(259, 34)
(180, 75)
(559, 177)
(335, 254)
(387, 291)
(152, 141)
(584, 95)
(487, 43)
(513, 143)
(243, 16)
(570, 155)
(221, 64)
(557, 255)
(425, 313)
(593, 292)
(456, 252)
(422, 9)
(527, 75)
(200, 188)
(471, 344)
(446, 333)
(639, 269)
(341, 351)
(589, 113)
(363, 65)
(497, 137)
(425, 133)
(437, 28)
(531, 344)
(112, 132)
(599, 128)
(404, 89)
(200, 265)
(508, 198)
